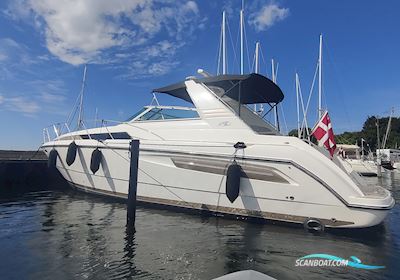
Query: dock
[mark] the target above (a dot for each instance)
(10, 155)
(27, 170)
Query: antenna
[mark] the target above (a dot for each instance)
(257, 63)
(80, 116)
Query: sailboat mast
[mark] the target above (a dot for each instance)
(241, 37)
(80, 116)
(362, 148)
(298, 105)
(274, 80)
(320, 78)
(96, 116)
(257, 66)
(387, 129)
(223, 43)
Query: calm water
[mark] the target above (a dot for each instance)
(65, 234)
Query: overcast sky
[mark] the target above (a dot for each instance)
(133, 46)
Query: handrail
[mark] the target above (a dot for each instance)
(54, 131)
(58, 129)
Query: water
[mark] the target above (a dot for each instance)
(64, 234)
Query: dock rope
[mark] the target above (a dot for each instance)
(167, 188)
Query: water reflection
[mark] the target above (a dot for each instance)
(67, 234)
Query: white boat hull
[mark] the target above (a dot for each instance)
(164, 179)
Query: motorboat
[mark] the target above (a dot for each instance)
(366, 168)
(186, 153)
(357, 162)
(390, 158)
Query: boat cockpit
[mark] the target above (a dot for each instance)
(236, 92)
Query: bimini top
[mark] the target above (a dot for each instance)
(246, 89)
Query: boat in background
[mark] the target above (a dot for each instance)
(390, 158)
(354, 156)
(221, 157)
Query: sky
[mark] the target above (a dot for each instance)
(133, 46)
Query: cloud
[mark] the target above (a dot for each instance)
(3, 57)
(15, 58)
(51, 97)
(16, 10)
(267, 16)
(48, 91)
(12, 55)
(9, 49)
(35, 96)
(155, 60)
(82, 31)
(20, 104)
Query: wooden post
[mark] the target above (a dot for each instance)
(133, 176)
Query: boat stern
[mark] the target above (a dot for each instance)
(372, 208)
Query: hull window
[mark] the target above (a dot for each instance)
(106, 136)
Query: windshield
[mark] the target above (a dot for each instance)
(136, 114)
(252, 119)
(157, 113)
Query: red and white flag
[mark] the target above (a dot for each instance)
(324, 133)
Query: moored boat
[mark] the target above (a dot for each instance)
(185, 154)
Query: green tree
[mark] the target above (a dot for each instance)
(369, 133)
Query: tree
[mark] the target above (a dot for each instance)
(369, 133)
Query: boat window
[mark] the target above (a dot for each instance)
(106, 136)
(168, 114)
(136, 114)
(253, 120)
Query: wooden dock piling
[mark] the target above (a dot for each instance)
(133, 176)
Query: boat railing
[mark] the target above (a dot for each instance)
(55, 130)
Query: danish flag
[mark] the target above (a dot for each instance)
(324, 133)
